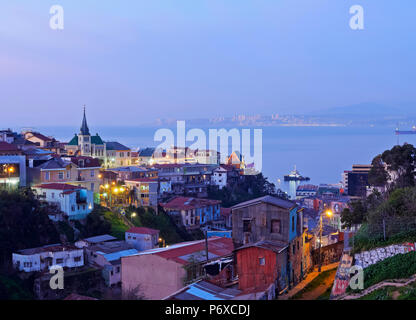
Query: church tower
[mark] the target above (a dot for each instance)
(84, 138)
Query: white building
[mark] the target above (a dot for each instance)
(142, 238)
(219, 177)
(43, 258)
(76, 202)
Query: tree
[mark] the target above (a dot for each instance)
(397, 164)
(354, 215)
(24, 223)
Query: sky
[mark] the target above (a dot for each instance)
(132, 62)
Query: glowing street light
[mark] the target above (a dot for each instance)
(328, 213)
(134, 214)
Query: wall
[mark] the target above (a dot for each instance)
(157, 277)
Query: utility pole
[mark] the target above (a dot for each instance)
(206, 244)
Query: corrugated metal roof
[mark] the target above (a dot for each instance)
(117, 255)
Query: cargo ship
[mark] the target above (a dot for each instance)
(399, 132)
(294, 175)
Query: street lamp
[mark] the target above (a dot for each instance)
(328, 213)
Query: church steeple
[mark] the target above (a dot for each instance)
(84, 127)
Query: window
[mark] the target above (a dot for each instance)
(61, 176)
(68, 174)
(53, 195)
(60, 260)
(92, 173)
(77, 259)
(246, 225)
(294, 248)
(46, 175)
(118, 270)
(262, 261)
(293, 223)
(276, 226)
(298, 244)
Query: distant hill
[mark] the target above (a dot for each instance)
(369, 109)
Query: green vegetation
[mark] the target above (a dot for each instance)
(250, 187)
(384, 293)
(319, 281)
(24, 223)
(169, 231)
(400, 266)
(12, 288)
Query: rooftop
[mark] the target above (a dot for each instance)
(143, 230)
(203, 290)
(275, 246)
(113, 145)
(182, 252)
(286, 204)
(5, 146)
(54, 163)
(100, 238)
(185, 203)
(48, 248)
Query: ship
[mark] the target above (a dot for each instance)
(294, 175)
(400, 132)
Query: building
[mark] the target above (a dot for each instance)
(37, 138)
(87, 242)
(75, 202)
(7, 136)
(57, 170)
(177, 266)
(118, 155)
(142, 238)
(80, 171)
(306, 190)
(276, 221)
(43, 258)
(219, 177)
(144, 192)
(88, 171)
(262, 264)
(204, 156)
(12, 171)
(134, 172)
(355, 182)
(84, 144)
(8, 149)
(236, 160)
(107, 255)
(192, 212)
(146, 156)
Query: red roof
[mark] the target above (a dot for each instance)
(5, 146)
(87, 162)
(58, 186)
(216, 245)
(143, 230)
(40, 136)
(185, 203)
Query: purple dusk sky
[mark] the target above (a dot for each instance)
(131, 62)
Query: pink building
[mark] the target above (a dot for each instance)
(161, 272)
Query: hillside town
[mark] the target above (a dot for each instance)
(127, 224)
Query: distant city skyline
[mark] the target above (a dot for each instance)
(132, 63)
